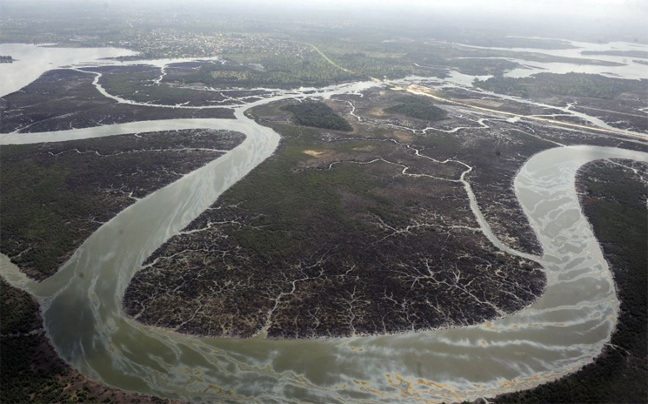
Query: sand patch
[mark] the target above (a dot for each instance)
(364, 148)
(378, 112)
(313, 153)
(484, 103)
(402, 136)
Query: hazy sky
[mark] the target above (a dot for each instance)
(633, 11)
(546, 16)
(557, 6)
(576, 8)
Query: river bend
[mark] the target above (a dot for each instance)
(565, 329)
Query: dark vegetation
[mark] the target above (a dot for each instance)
(317, 115)
(18, 311)
(397, 59)
(623, 111)
(614, 200)
(65, 99)
(6, 59)
(417, 107)
(483, 67)
(300, 66)
(329, 238)
(30, 369)
(293, 217)
(54, 195)
(571, 84)
(371, 62)
(283, 58)
(297, 65)
(274, 51)
(545, 58)
(138, 83)
(496, 154)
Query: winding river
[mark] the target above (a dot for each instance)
(565, 329)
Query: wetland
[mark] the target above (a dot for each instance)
(289, 218)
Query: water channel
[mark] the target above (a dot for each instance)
(565, 329)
